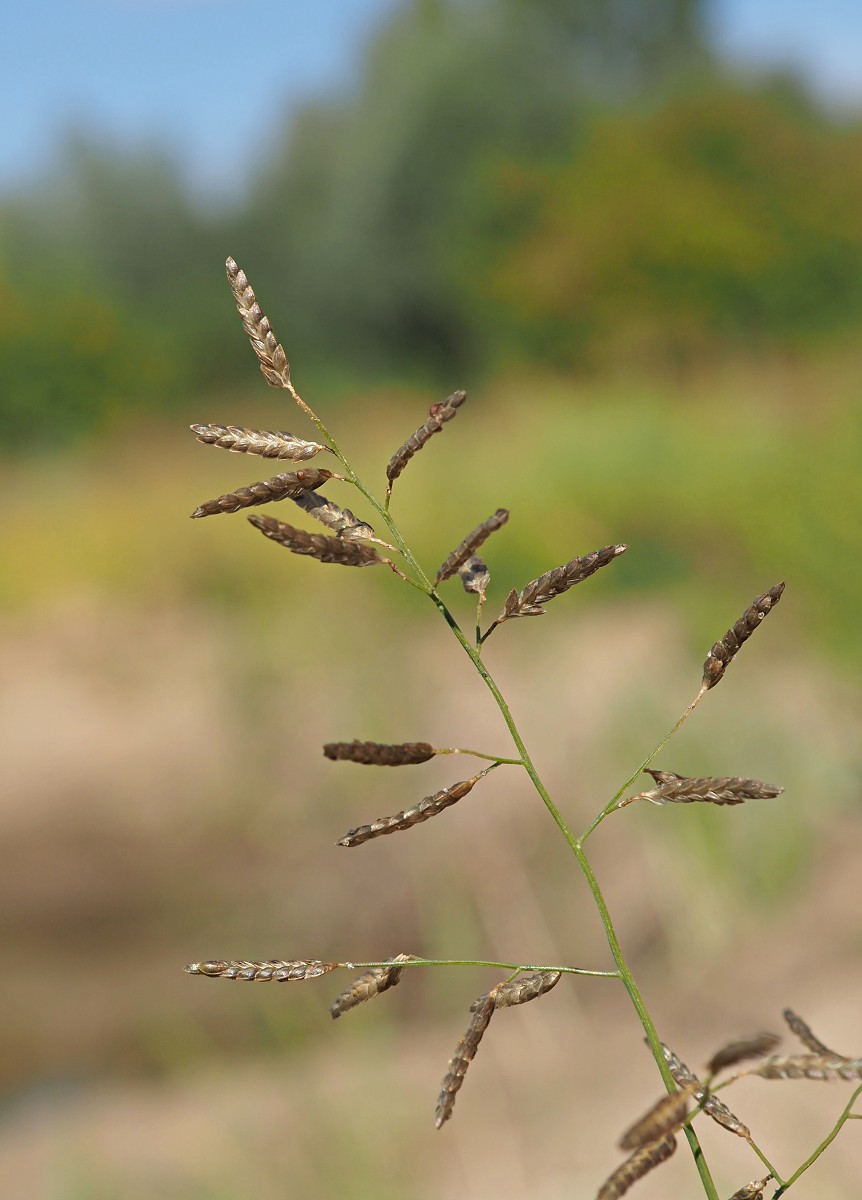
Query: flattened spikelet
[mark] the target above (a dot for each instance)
(722, 653)
(634, 1168)
(757, 1046)
(277, 969)
(524, 988)
(666, 1116)
(464, 1054)
(315, 545)
(528, 602)
(803, 1032)
(265, 442)
(711, 1105)
(431, 806)
(341, 520)
(678, 789)
(825, 1068)
(471, 544)
(379, 754)
(437, 418)
(753, 1190)
(273, 360)
(281, 487)
(475, 576)
(372, 983)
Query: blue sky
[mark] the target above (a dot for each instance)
(213, 78)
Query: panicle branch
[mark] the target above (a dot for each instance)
(641, 1163)
(711, 1105)
(438, 415)
(288, 484)
(465, 1052)
(267, 443)
(470, 545)
(372, 983)
(316, 545)
(431, 806)
(263, 971)
(757, 1046)
(803, 1032)
(723, 652)
(379, 754)
(680, 789)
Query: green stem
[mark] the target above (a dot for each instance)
(508, 762)
(482, 962)
(830, 1137)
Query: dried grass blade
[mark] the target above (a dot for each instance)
(641, 1163)
(261, 971)
(528, 602)
(464, 1054)
(724, 651)
(753, 1190)
(431, 806)
(315, 545)
(524, 988)
(380, 754)
(711, 1105)
(678, 789)
(803, 1032)
(265, 442)
(470, 545)
(273, 360)
(666, 1116)
(281, 487)
(757, 1046)
(825, 1068)
(372, 983)
(438, 416)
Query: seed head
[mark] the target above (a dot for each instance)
(723, 652)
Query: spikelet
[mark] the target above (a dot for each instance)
(464, 1054)
(379, 754)
(666, 1116)
(722, 653)
(280, 487)
(757, 1046)
(340, 520)
(803, 1032)
(315, 545)
(273, 360)
(678, 789)
(425, 809)
(634, 1168)
(711, 1105)
(825, 1068)
(267, 443)
(276, 969)
(523, 989)
(475, 576)
(438, 416)
(372, 983)
(528, 602)
(753, 1190)
(471, 544)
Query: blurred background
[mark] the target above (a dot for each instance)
(633, 231)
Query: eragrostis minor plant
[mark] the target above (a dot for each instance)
(352, 542)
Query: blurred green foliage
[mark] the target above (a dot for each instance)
(541, 183)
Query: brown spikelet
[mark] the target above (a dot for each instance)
(523, 989)
(316, 545)
(722, 653)
(423, 811)
(753, 1190)
(757, 1046)
(803, 1032)
(379, 754)
(273, 360)
(279, 970)
(437, 418)
(678, 789)
(634, 1168)
(711, 1105)
(340, 520)
(280, 487)
(471, 544)
(528, 602)
(666, 1116)
(267, 443)
(475, 576)
(826, 1068)
(372, 983)
(464, 1054)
